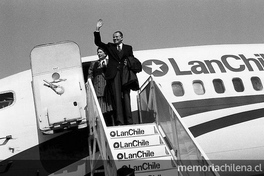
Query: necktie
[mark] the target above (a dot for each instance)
(118, 48)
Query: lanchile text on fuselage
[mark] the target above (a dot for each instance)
(234, 63)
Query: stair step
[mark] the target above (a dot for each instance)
(140, 153)
(151, 164)
(135, 142)
(141, 147)
(131, 130)
(168, 172)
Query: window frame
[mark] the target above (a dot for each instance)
(3, 98)
(196, 88)
(258, 81)
(236, 85)
(222, 84)
(179, 83)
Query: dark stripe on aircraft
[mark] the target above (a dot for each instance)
(192, 107)
(226, 121)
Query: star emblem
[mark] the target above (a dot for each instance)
(155, 67)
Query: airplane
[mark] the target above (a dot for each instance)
(216, 89)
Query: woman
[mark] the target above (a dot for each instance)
(103, 92)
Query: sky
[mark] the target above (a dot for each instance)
(146, 24)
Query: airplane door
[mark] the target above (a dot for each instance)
(58, 86)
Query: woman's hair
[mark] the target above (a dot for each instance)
(99, 48)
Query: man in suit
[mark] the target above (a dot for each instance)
(118, 54)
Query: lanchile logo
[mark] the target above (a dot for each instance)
(112, 134)
(131, 144)
(120, 156)
(116, 145)
(136, 155)
(146, 166)
(130, 132)
(155, 67)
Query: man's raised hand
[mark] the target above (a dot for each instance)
(99, 24)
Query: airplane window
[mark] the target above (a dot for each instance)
(177, 89)
(238, 84)
(198, 87)
(219, 86)
(256, 83)
(6, 99)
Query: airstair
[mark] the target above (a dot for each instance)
(142, 148)
(164, 147)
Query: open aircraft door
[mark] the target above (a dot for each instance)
(58, 86)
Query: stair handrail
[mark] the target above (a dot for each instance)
(97, 130)
(174, 117)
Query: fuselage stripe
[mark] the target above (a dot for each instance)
(192, 107)
(226, 121)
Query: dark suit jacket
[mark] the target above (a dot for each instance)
(116, 58)
(97, 76)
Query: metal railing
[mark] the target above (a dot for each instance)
(97, 128)
(154, 107)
